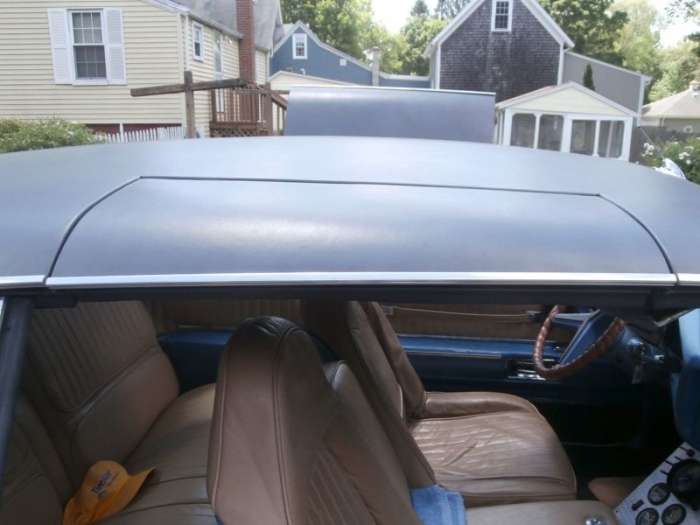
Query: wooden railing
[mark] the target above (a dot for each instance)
(246, 112)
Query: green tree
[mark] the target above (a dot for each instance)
(588, 78)
(417, 34)
(420, 8)
(639, 39)
(393, 49)
(344, 24)
(448, 9)
(593, 25)
(680, 65)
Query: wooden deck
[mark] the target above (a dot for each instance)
(251, 111)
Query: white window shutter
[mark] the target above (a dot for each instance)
(114, 45)
(60, 46)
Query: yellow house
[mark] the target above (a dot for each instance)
(568, 118)
(79, 59)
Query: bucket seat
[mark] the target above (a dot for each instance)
(492, 448)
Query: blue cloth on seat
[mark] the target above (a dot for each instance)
(438, 506)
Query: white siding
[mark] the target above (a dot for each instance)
(204, 70)
(27, 86)
(230, 52)
(261, 65)
(569, 100)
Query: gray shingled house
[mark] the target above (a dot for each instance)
(513, 47)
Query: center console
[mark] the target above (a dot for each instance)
(669, 496)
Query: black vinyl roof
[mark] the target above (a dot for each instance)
(344, 210)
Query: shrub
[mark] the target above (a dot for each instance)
(17, 135)
(684, 153)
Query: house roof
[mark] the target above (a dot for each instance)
(549, 90)
(535, 8)
(222, 12)
(685, 104)
(268, 16)
(292, 28)
(222, 15)
(292, 74)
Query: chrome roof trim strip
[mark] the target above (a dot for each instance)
(691, 279)
(364, 278)
(21, 281)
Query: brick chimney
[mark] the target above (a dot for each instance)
(245, 13)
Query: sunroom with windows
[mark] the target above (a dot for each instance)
(567, 118)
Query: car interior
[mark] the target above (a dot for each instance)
(322, 410)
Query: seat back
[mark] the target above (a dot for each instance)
(344, 327)
(35, 486)
(411, 385)
(98, 380)
(289, 446)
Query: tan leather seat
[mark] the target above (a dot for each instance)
(291, 444)
(35, 485)
(103, 389)
(492, 448)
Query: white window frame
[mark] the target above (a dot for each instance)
(71, 35)
(566, 131)
(197, 26)
(300, 38)
(493, 17)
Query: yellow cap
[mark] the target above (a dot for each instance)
(106, 489)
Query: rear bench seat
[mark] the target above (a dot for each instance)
(103, 389)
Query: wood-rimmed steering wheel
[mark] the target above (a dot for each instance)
(580, 352)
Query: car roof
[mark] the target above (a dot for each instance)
(340, 210)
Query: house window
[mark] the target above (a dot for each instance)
(198, 41)
(583, 136)
(550, 132)
(299, 46)
(610, 138)
(523, 130)
(88, 45)
(502, 14)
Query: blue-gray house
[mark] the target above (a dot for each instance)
(298, 50)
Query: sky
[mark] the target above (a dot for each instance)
(393, 14)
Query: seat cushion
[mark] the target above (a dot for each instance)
(507, 455)
(177, 447)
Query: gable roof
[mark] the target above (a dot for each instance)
(549, 90)
(533, 6)
(219, 14)
(291, 29)
(685, 104)
(268, 17)
(292, 74)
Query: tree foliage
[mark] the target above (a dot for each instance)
(18, 135)
(587, 80)
(593, 25)
(344, 24)
(680, 65)
(448, 9)
(420, 8)
(417, 34)
(639, 43)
